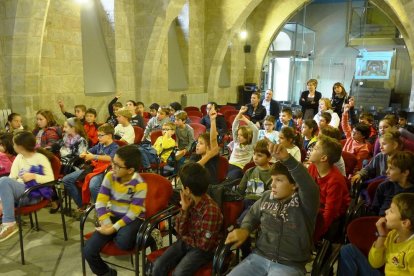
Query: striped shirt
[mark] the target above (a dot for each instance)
(121, 200)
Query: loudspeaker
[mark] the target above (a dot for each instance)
(247, 48)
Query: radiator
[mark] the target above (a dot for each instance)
(197, 99)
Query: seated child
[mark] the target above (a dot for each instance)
(136, 118)
(287, 137)
(29, 168)
(324, 120)
(334, 196)
(153, 109)
(403, 121)
(368, 119)
(400, 174)
(285, 119)
(184, 134)
(47, 131)
(124, 131)
(309, 134)
(220, 120)
(80, 110)
(120, 208)
(334, 133)
(14, 123)
(90, 126)
(384, 125)
(356, 139)
(269, 130)
(113, 107)
(393, 248)
(198, 226)
(155, 123)
(7, 153)
(286, 216)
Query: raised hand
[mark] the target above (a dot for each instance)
(243, 109)
(278, 151)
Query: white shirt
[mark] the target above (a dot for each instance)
(266, 105)
(126, 133)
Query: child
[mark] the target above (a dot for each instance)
(287, 138)
(285, 119)
(113, 107)
(80, 110)
(244, 139)
(136, 118)
(268, 131)
(207, 149)
(309, 133)
(104, 151)
(324, 119)
(74, 140)
(124, 131)
(339, 98)
(120, 208)
(90, 126)
(198, 226)
(334, 195)
(7, 153)
(298, 120)
(286, 216)
(368, 119)
(325, 106)
(220, 120)
(155, 123)
(162, 147)
(184, 134)
(14, 122)
(393, 248)
(400, 174)
(334, 133)
(153, 109)
(377, 167)
(356, 139)
(403, 121)
(174, 107)
(47, 131)
(28, 167)
(384, 124)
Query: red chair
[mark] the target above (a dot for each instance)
(159, 191)
(230, 121)
(223, 168)
(198, 129)
(195, 113)
(154, 136)
(139, 133)
(195, 119)
(350, 162)
(229, 112)
(203, 109)
(224, 108)
(22, 210)
(146, 121)
(372, 187)
(147, 115)
(120, 143)
(249, 165)
(191, 108)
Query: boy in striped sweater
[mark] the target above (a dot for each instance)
(120, 208)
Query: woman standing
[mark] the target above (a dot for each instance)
(309, 100)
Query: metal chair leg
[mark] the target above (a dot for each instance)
(19, 224)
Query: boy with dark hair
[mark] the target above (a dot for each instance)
(356, 139)
(403, 121)
(393, 248)
(198, 226)
(184, 134)
(334, 195)
(153, 109)
(90, 126)
(156, 123)
(113, 107)
(286, 216)
(80, 110)
(368, 119)
(285, 119)
(324, 119)
(120, 208)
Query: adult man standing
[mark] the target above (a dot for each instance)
(272, 106)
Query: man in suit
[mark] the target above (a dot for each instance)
(272, 106)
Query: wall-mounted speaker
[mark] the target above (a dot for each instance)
(247, 48)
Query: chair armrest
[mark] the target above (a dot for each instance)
(36, 187)
(84, 217)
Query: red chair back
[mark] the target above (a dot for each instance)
(195, 119)
(146, 121)
(154, 136)
(372, 187)
(229, 112)
(139, 133)
(361, 232)
(223, 167)
(159, 192)
(231, 212)
(350, 162)
(147, 115)
(198, 129)
(120, 143)
(203, 109)
(224, 108)
(191, 108)
(195, 113)
(248, 166)
(230, 121)
(56, 166)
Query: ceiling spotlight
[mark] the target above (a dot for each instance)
(243, 35)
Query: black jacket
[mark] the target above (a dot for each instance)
(303, 101)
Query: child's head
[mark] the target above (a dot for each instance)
(269, 123)
(332, 132)
(105, 134)
(245, 135)
(392, 118)
(351, 101)
(324, 119)
(168, 126)
(180, 118)
(203, 143)
(261, 156)
(131, 106)
(361, 132)
(366, 118)
(126, 162)
(195, 179)
(14, 121)
(327, 150)
(210, 105)
(338, 89)
(6, 143)
(163, 112)
(285, 115)
(287, 136)
(298, 114)
(153, 109)
(80, 110)
(174, 107)
(390, 142)
(400, 167)
(283, 184)
(116, 106)
(324, 104)
(73, 126)
(402, 118)
(312, 84)
(400, 215)
(140, 108)
(309, 128)
(90, 115)
(384, 124)
(24, 141)
(123, 116)
(45, 118)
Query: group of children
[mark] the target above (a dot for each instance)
(294, 204)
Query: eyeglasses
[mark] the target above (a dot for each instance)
(116, 166)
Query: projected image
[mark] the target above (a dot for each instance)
(373, 65)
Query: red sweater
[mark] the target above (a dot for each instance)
(333, 197)
(91, 131)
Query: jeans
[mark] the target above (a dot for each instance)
(257, 265)
(124, 239)
(10, 192)
(353, 262)
(186, 260)
(234, 172)
(69, 181)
